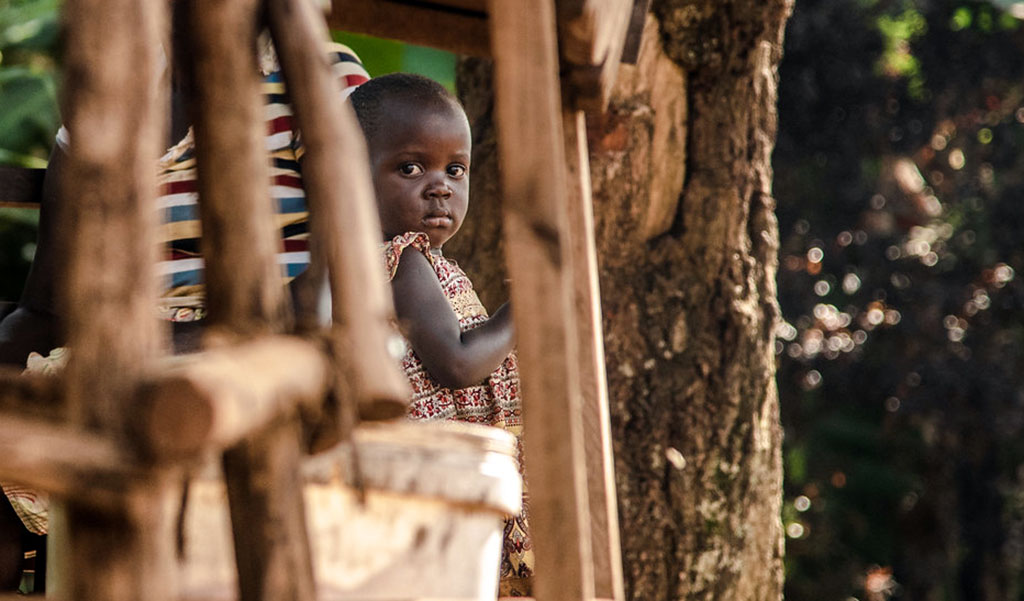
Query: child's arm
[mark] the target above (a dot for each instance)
(456, 359)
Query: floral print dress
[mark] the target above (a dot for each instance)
(494, 402)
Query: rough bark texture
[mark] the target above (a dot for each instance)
(687, 245)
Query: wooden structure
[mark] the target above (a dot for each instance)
(111, 437)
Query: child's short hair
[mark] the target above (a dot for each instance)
(368, 99)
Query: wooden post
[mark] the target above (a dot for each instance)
(537, 240)
(340, 196)
(245, 294)
(604, 515)
(124, 553)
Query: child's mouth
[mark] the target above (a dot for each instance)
(438, 221)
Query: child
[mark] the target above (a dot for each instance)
(459, 361)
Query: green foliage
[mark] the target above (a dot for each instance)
(382, 56)
(28, 119)
(28, 38)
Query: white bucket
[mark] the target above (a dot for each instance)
(429, 523)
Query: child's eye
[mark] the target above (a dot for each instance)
(410, 169)
(457, 171)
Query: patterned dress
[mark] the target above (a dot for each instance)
(494, 402)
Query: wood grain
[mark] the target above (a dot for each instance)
(245, 296)
(538, 253)
(604, 520)
(341, 200)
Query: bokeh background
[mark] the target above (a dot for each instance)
(899, 175)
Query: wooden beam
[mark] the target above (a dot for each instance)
(537, 246)
(244, 290)
(245, 295)
(213, 399)
(604, 518)
(635, 32)
(341, 198)
(458, 27)
(21, 187)
(592, 34)
(109, 185)
(271, 547)
(63, 460)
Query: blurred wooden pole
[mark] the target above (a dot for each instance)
(244, 290)
(112, 112)
(341, 199)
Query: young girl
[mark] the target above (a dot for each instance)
(459, 361)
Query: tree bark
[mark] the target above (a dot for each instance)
(687, 247)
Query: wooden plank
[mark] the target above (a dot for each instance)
(461, 29)
(21, 186)
(245, 296)
(592, 34)
(588, 28)
(64, 460)
(604, 520)
(124, 552)
(528, 109)
(341, 198)
(635, 32)
(213, 399)
(240, 242)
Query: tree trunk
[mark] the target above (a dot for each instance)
(687, 245)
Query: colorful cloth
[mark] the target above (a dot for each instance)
(495, 402)
(180, 229)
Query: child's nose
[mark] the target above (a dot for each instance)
(438, 188)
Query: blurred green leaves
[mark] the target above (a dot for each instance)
(28, 72)
(382, 56)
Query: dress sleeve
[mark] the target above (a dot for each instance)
(394, 248)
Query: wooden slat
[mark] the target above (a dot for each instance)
(245, 296)
(240, 241)
(215, 398)
(592, 34)
(20, 186)
(528, 108)
(634, 34)
(461, 29)
(110, 76)
(604, 520)
(263, 482)
(341, 199)
(63, 460)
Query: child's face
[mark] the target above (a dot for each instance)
(420, 164)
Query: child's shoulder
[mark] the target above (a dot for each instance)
(395, 247)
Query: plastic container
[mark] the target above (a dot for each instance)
(425, 524)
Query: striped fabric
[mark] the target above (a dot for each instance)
(183, 264)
